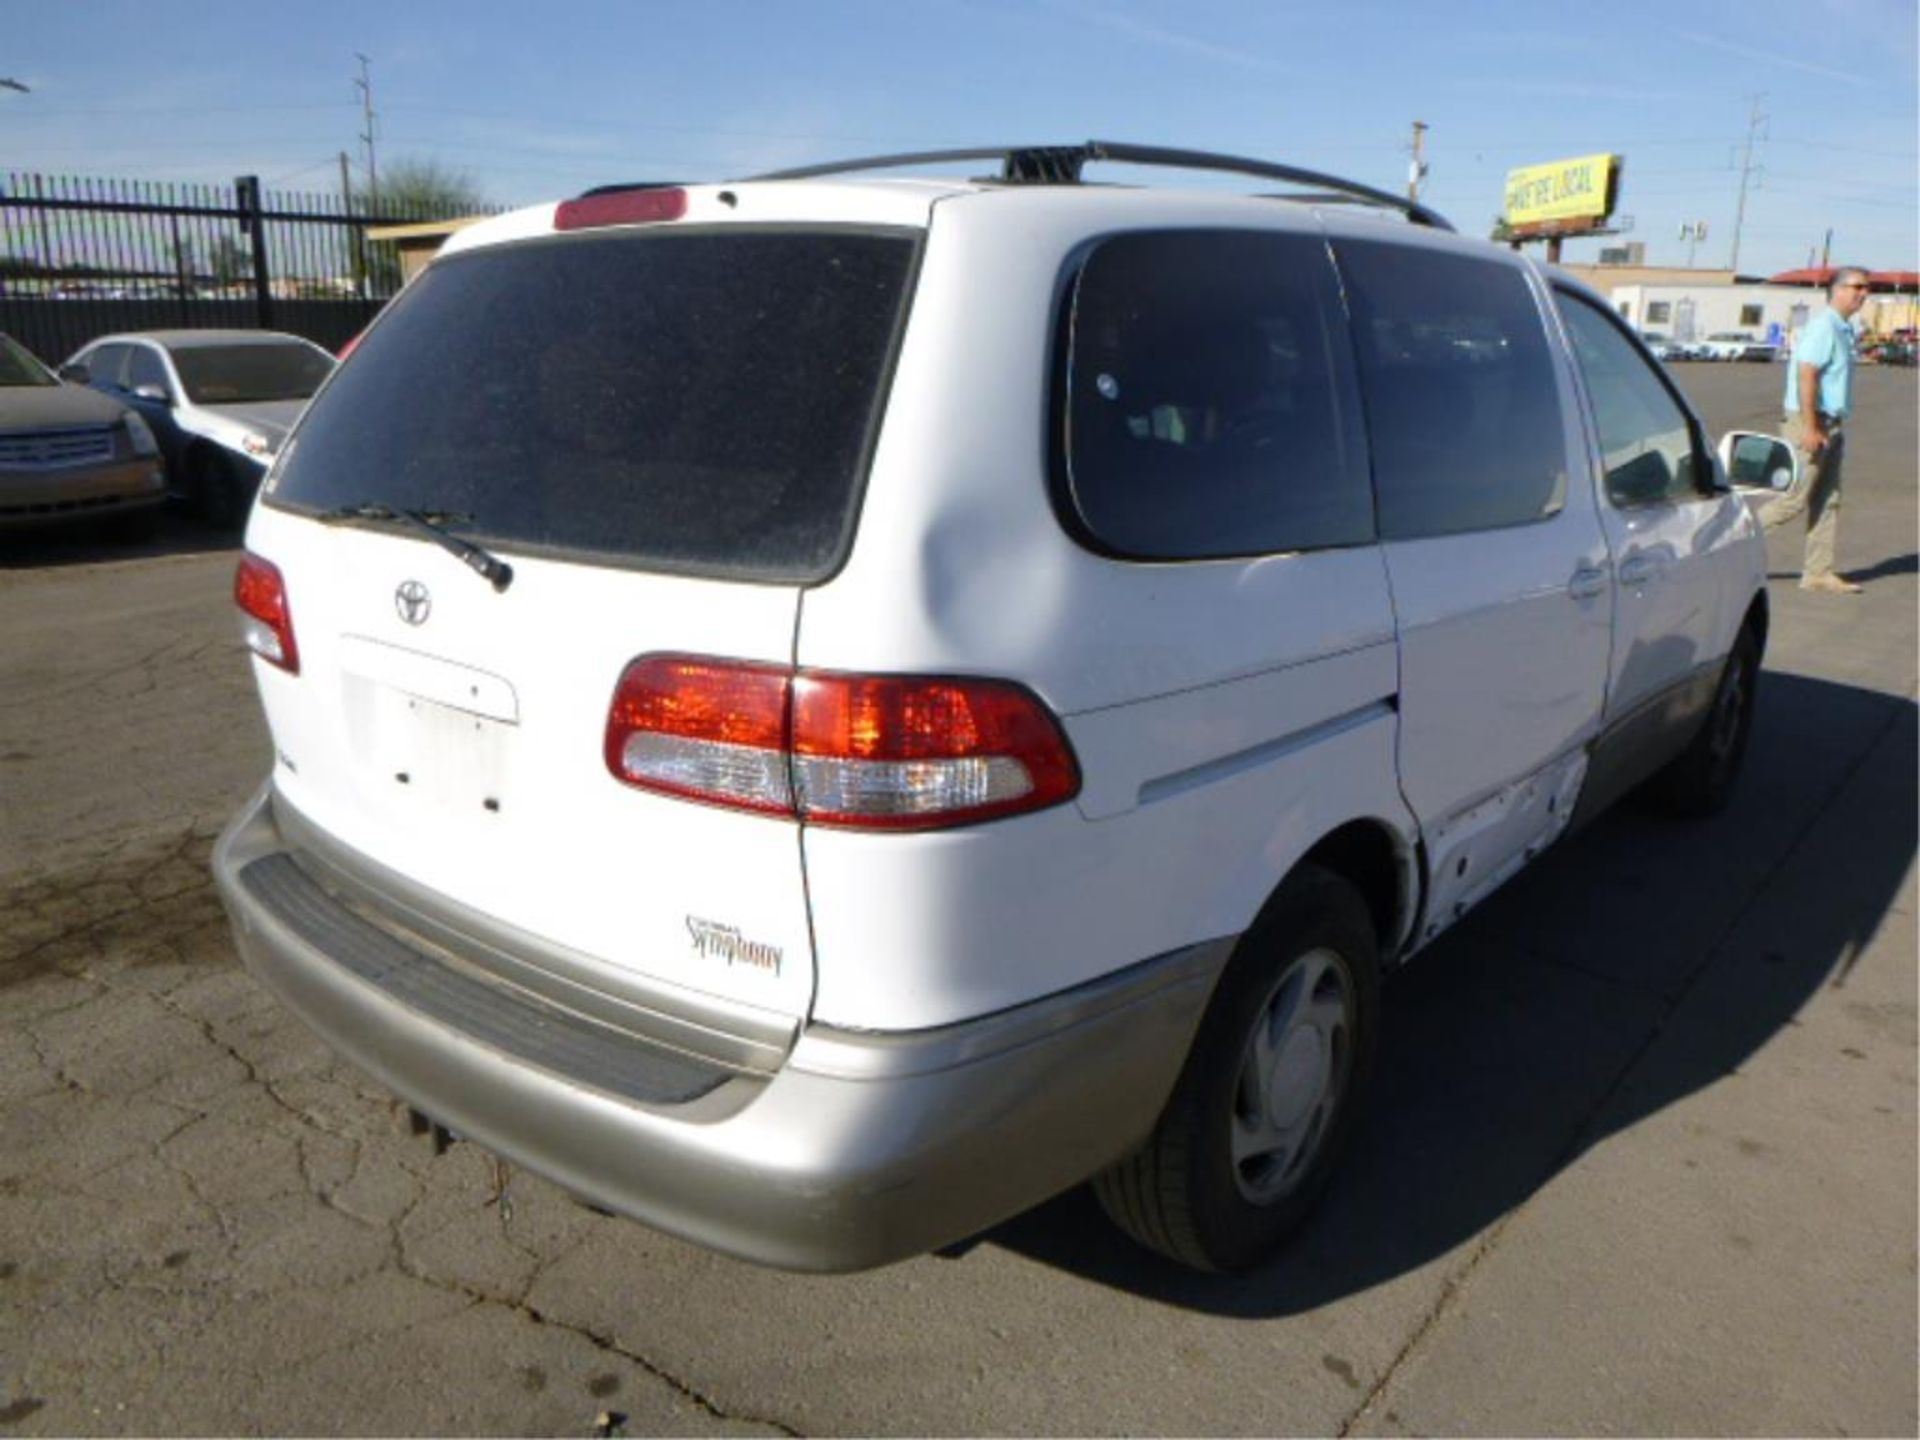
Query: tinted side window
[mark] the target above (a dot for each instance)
(1646, 442)
(105, 364)
(1208, 398)
(144, 368)
(1463, 419)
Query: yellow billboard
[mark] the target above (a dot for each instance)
(1579, 189)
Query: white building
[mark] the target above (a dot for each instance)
(1693, 312)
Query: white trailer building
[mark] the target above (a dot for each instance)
(1693, 312)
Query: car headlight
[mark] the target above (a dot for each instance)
(256, 445)
(139, 436)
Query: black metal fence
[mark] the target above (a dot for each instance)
(83, 257)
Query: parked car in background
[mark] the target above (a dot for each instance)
(218, 401)
(1735, 345)
(68, 454)
(1663, 346)
(1895, 349)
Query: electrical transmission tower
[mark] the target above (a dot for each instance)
(1756, 121)
(365, 86)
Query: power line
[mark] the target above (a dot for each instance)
(60, 110)
(1844, 147)
(1843, 180)
(282, 179)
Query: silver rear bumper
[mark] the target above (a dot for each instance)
(858, 1149)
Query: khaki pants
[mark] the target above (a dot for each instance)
(1817, 495)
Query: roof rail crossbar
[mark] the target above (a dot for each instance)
(1005, 154)
(1062, 164)
(1126, 154)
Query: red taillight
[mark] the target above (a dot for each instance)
(903, 753)
(704, 729)
(351, 345)
(869, 751)
(262, 597)
(620, 207)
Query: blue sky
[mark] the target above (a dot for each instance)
(537, 101)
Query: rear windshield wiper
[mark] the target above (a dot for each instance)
(488, 566)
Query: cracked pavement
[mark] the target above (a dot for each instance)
(190, 1187)
(1643, 1157)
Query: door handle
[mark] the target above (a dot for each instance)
(1638, 569)
(1587, 583)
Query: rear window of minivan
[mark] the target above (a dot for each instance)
(696, 401)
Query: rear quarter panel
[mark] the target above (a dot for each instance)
(1225, 714)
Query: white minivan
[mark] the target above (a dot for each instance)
(819, 712)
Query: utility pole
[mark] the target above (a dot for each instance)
(1754, 121)
(1417, 171)
(356, 246)
(365, 86)
(1693, 232)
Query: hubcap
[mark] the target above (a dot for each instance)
(1292, 1077)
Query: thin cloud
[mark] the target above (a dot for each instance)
(1747, 52)
(1521, 42)
(1174, 40)
(1574, 89)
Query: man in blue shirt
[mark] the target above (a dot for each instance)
(1819, 397)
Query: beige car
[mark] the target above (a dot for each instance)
(69, 454)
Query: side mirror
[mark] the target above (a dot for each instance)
(1759, 462)
(76, 374)
(153, 392)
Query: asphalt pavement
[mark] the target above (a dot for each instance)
(1643, 1157)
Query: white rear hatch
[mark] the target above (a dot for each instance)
(663, 430)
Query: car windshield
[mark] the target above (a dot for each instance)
(240, 374)
(17, 367)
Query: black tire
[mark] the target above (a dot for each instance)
(1699, 781)
(1185, 1192)
(220, 493)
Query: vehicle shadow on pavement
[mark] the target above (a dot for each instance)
(177, 533)
(1898, 565)
(1526, 1036)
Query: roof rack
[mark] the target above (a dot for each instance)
(1061, 165)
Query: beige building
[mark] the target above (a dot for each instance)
(1690, 304)
(417, 244)
(1606, 278)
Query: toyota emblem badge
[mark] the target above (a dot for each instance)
(413, 602)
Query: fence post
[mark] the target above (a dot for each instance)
(247, 191)
(181, 264)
